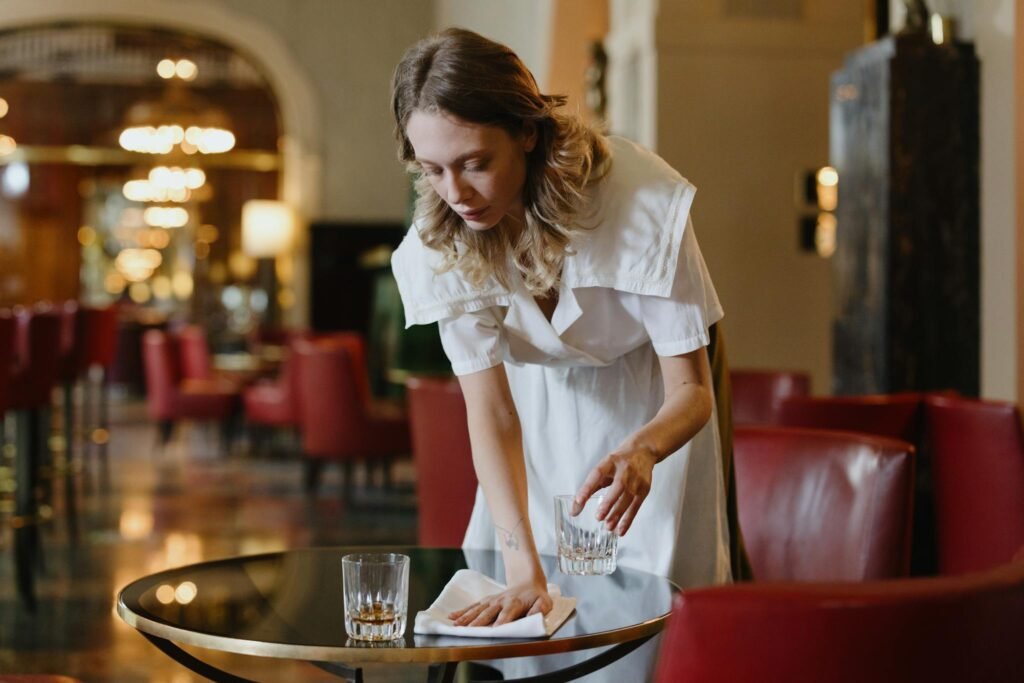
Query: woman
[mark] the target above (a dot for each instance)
(574, 305)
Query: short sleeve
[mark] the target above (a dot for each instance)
(473, 341)
(679, 323)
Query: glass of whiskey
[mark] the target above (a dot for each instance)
(376, 590)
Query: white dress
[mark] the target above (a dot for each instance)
(635, 287)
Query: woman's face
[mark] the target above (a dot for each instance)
(478, 170)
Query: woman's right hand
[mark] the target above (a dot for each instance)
(519, 600)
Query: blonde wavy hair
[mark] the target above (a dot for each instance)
(461, 73)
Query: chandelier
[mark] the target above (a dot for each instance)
(166, 184)
(179, 119)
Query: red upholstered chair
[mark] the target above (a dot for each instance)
(98, 338)
(274, 404)
(897, 416)
(338, 421)
(965, 628)
(69, 367)
(37, 349)
(71, 346)
(172, 398)
(8, 334)
(978, 467)
(38, 352)
(818, 505)
(99, 348)
(757, 395)
(445, 478)
(196, 362)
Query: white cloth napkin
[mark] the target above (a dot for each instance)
(469, 586)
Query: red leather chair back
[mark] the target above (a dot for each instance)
(196, 362)
(99, 337)
(978, 469)
(354, 343)
(445, 478)
(937, 629)
(331, 410)
(757, 395)
(163, 374)
(289, 376)
(8, 333)
(896, 416)
(817, 505)
(38, 352)
(71, 346)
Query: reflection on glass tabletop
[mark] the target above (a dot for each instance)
(290, 605)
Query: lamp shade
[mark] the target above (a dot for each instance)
(267, 228)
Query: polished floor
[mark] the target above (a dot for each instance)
(157, 510)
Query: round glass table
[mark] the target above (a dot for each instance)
(289, 605)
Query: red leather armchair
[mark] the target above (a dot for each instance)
(274, 403)
(71, 346)
(817, 505)
(936, 629)
(38, 351)
(8, 333)
(99, 337)
(194, 353)
(896, 416)
(338, 421)
(978, 468)
(757, 395)
(37, 348)
(171, 397)
(445, 478)
(8, 338)
(96, 333)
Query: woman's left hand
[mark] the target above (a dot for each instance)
(627, 473)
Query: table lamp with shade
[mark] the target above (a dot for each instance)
(268, 227)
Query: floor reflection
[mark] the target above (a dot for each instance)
(160, 510)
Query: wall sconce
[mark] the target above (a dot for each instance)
(818, 198)
(268, 228)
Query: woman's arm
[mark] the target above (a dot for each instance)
(497, 443)
(627, 471)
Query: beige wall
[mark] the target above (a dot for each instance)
(1018, 190)
(994, 39)
(742, 108)
(575, 24)
(523, 25)
(349, 49)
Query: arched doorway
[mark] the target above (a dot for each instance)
(300, 144)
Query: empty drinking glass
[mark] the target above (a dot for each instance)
(376, 589)
(585, 545)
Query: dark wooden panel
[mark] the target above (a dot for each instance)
(341, 288)
(904, 138)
